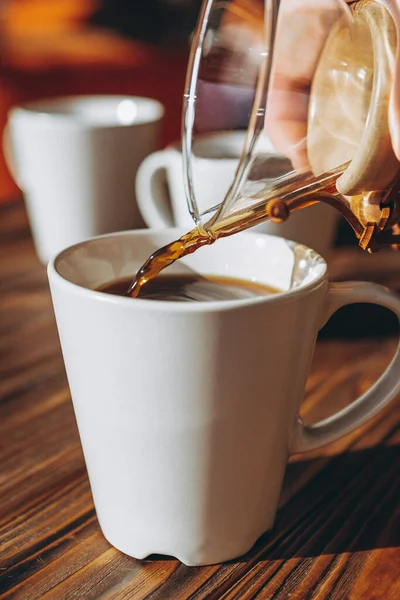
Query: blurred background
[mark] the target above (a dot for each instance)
(65, 47)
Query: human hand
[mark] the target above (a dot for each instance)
(304, 25)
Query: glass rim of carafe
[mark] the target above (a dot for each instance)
(256, 121)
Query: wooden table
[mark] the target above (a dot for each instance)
(337, 533)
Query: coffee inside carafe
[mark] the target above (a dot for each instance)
(193, 288)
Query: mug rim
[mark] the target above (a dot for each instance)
(175, 306)
(36, 111)
(240, 134)
(176, 146)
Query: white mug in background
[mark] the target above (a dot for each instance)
(214, 167)
(188, 412)
(76, 159)
(161, 195)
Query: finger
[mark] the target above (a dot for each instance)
(393, 6)
(303, 27)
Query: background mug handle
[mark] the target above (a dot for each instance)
(310, 437)
(151, 193)
(9, 156)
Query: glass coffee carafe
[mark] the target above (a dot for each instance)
(308, 86)
(309, 83)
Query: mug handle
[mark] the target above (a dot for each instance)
(153, 201)
(9, 156)
(310, 437)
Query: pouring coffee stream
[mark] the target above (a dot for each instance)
(374, 218)
(371, 233)
(299, 192)
(346, 122)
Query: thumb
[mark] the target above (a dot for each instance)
(393, 7)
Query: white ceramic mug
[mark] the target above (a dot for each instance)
(214, 168)
(188, 412)
(216, 157)
(76, 160)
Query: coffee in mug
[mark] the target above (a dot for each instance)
(192, 288)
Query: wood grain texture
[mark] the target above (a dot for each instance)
(337, 533)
